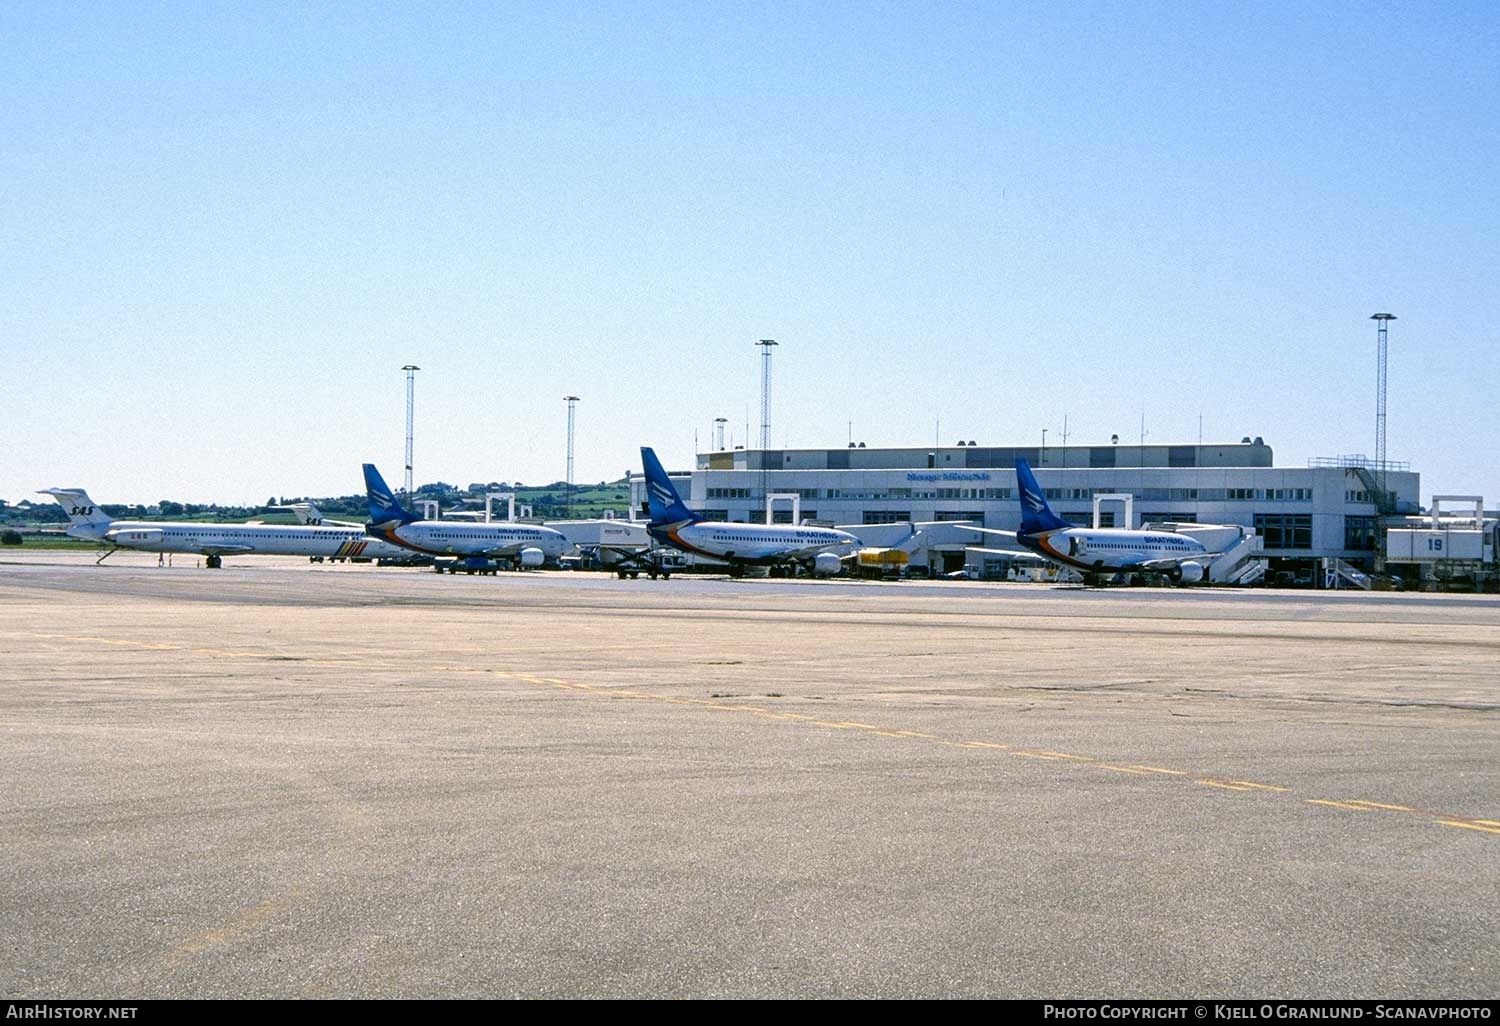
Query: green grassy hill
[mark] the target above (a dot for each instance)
(550, 502)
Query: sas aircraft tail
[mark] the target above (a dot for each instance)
(384, 509)
(1036, 516)
(665, 505)
(84, 515)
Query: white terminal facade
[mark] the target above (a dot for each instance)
(1331, 508)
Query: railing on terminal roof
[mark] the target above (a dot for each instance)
(1360, 460)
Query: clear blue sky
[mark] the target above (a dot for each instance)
(225, 227)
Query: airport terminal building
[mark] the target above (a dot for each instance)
(1331, 508)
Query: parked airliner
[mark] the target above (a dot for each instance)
(215, 541)
(1101, 551)
(476, 545)
(817, 549)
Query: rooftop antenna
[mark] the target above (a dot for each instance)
(411, 391)
(719, 423)
(1141, 451)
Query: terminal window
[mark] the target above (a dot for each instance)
(1360, 533)
(1285, 530)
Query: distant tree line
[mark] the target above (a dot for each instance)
(550, 500)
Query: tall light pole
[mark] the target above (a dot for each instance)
(765, 391)
(411, 392)
(766, 345)
(1382, 319)
(572, 401)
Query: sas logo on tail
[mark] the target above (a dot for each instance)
(82, 511)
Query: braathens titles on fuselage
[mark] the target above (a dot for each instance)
(474, 546)
(819, 550)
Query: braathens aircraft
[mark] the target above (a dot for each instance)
(1097, 552)
(477, 546)
(820, 550)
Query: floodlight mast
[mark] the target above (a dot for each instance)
(411, 389)
(766, 345)
(572, 401)
(1382, 319)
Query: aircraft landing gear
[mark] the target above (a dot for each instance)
(213, 562)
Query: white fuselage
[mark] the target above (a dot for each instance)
(232, 539)
(1112, 550)
(754, 543)
(437, 538)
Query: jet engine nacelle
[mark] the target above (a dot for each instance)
(531, 557)
(1189, 572)
(136, 536)
(827, 564)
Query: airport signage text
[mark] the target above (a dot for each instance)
(951, 475)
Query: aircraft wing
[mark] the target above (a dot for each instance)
(808, 552)
(513, 549)
(988, 530)
(222, 550)
(1165, 563)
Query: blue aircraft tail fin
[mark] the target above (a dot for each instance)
(383, 505)
(1036, 515)
(662, 500)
